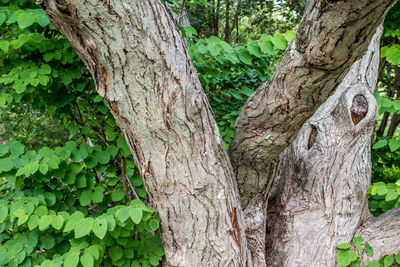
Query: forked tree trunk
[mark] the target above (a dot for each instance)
(320, 194)
(331, 37)
(139, 62)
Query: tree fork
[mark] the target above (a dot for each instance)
(140, 65)
(331, 37)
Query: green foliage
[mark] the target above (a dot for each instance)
(384, 196)
(44, 202)
(63, 202)
(349, 255)
(30, 127)
(229, 74)
(391, 36)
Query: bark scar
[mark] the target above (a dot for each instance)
(235, 231)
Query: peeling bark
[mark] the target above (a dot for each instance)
(138, 59)
(321, 191)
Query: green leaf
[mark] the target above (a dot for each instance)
(111, 134)
(391, 195)
(159, 251)
(41, 211)
(397, 257)
(44, 222)
(87, 260)
(42, 19)
(110, 222)
(374, 263)
(214, 48)
(357, 242)
(44, 168)
(266, 46)
(16, 148)
(5, 45)
(380, 144)
(33, 222)
(289, 35)
(85, 198)
(388, 261)
(94, 251)
(83, 227)
(154, 260)
(2, 18)
(382, 190)
(47, 242)
(254, 49)
(97, 195)
(122, 214)
(369, 249)
(44, 69)
(345, 257)
(103, 157)
(117, 195)
(100, 227)
(112, 150)
(3, 211)
(136, 214)
(57, 222)
(154, 224)
(394, 144)
(344, 246)
(115, 253)
(245, 57)
(279, 41)
(22, 219)
(6, 164)
(25, 20)
(72, 258)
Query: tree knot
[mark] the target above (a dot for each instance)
(359, 108)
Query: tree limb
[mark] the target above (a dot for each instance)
(331, 37)
(382, 233)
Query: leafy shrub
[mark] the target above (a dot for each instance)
(349, 255)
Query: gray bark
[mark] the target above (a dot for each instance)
(331, 37)
(321, 187)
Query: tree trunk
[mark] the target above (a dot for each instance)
(331, 37)
(140, 65)
(144, 72)
(320, 192)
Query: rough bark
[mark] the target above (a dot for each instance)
(382, 233)
(321, 187)
(181, 18)
(141, 67)
(331, 37)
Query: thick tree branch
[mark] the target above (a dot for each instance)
(382, 233)
(331, 37)
(320, 195)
